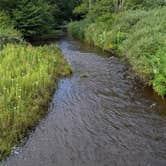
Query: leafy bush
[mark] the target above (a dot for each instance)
(6, 27)
(149, 38)
(7, 32)
(146, 4)
(98, 36)
(123, 23)
(33, 18)
(77, 29)
(159, 69)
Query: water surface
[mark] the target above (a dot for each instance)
(105, 119)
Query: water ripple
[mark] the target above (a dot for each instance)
(105, 119)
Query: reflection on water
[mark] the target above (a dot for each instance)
(106, 119)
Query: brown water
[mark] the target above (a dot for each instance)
(106, 119)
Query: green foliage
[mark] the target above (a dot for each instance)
(94, 8)
(77, 29)
(65, 9)
(146, 4)
(139, 34)
(159, 69)
(35, 18)
(6, 27)
(32, 18)
(149, 38)
(7, 32)
(7, 5)
(83, 8)
(121, 27)
(101, 7)
(27, 78)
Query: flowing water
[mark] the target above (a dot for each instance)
(98, 117)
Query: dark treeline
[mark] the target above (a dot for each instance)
(35, 18)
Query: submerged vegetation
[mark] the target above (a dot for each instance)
(134, 29)
(28, 77)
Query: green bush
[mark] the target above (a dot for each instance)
(159, 70)
(77, 29)
(7, 28)
(7, 31)
(139, 35)
(33, 18)
(149, 38)
(123, 23)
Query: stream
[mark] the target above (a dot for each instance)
(100, 116)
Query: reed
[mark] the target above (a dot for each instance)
(28, 76)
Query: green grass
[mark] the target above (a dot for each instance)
(28, 76)
(77, 29)
(138, 35)
(7, 31)
(7, 28)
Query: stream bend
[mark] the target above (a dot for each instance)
(105, 119)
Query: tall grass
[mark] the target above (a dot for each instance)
(28, 75)
(139, 35)
(27, 78)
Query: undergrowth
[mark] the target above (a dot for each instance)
(139, 35)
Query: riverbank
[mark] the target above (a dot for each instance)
(138, 35)
(103, 119)
(28, 77)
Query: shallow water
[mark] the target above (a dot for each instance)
(105, 119)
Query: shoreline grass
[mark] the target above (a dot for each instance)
(28, 77)
(137, 35)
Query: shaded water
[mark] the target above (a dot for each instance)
(106, 119)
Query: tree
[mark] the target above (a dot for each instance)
(32, 18)
(65, 8)
(35, 18)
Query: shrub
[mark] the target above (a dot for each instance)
(77, 29)
(138, 34)
(149, 38)
(6, 26)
